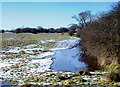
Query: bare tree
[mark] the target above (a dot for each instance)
(84, 18)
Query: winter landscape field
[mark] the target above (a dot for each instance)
(40, 61)
(59, 44)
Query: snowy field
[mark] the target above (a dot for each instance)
(29, 61)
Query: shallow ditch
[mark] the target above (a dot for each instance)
(68, 60)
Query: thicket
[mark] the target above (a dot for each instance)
(101, 42)
(101, 38)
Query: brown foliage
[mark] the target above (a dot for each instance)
(102, 38)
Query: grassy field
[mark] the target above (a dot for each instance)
(40, 36)
(24, 39)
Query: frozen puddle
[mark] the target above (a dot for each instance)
(68, 60)
(5, 83)
(67, 56)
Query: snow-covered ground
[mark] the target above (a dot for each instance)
(44, 64)
(42, 55)
(66, 44)
(7, 38)
(26, 49)
(45, 41)
(32, 66)
(32, 63)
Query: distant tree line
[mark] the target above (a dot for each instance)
(39, 29)
(70, 30)
(2, 31)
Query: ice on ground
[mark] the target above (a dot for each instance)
(26, 49)
(44, 64)
(31, 66)
(7, 38)
(8, 62)
(53, 49)
(5, 83)
(1, 54)
(4, 65)
(29, 50)
(18, 50)
(45, 41)
(45, 54)
(98, 72)
(52, 40)
(30, 46)
(67, 44)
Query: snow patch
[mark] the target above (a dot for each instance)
(30, 46)
(45, 41)
(45, 54)
(67, 44)
(7, 38)
(30, 50)
(44, 64)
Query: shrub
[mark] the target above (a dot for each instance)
(114, 72)
(102, 38)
